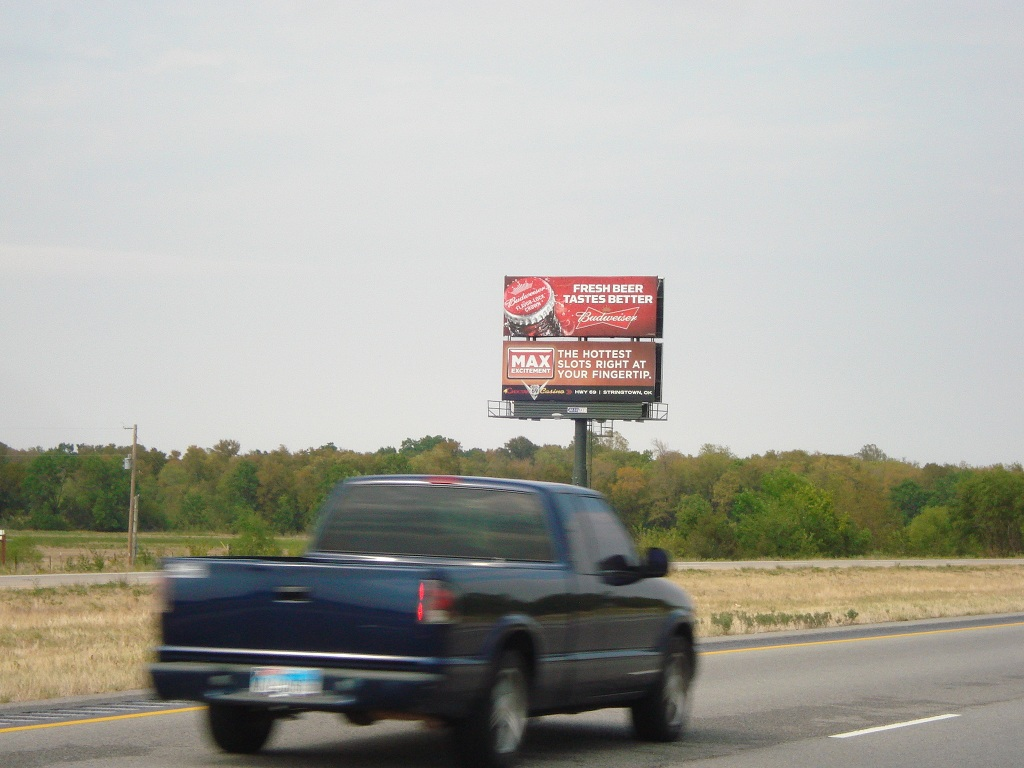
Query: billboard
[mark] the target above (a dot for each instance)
(606, 307)
(582, 371)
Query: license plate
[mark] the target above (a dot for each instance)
(286, 681)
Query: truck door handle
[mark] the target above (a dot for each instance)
(292, 595)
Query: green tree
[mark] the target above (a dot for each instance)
(322, 472)
(193, 515)
(707, 533)
(553, 463)
(255, 538)
(169, 488)
(611, 441)
(101, 488)
(989, 510)
(611, 454)
(629, 496)
(275, 480)
(194, 462)
(12, 476)
(388, 461)
(240, 485)
(791, 517)
(669, 480)
(22, 550)
(226, 449)
(931, 533)
(765, 529)
(441, 459)
(45, 485)
(521, 448)
(860, 490)
(712, 462)
(412, 447)
(941, 483)
(288, 517)
(909, 498)
(473, 462)
(872, 452)
(741, 476)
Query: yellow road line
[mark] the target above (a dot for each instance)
(111, 718)
(860, 639)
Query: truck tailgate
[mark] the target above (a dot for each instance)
(350, 610)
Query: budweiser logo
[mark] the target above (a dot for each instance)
(622, 318)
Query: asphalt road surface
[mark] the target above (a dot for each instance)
(936, 693)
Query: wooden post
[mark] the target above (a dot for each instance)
(133, 511)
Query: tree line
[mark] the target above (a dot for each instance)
(712, 505)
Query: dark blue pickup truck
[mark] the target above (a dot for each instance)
(473, 602)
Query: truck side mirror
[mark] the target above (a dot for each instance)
(614, 564)
(657, 562)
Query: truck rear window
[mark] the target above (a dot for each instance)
(434, 521)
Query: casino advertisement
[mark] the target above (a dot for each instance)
(605, 307)
(582, 371)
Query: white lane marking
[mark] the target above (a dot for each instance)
(880, 728)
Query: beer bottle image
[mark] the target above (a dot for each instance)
(530, 309)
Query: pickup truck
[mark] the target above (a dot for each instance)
(476, 603)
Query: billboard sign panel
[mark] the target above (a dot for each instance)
(607, 307)
(582, 371)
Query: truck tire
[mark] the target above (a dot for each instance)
(492, 735)
(239, 730)
(661, 715)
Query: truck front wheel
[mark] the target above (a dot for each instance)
(239, 730)
(661, 715)
(492, 735)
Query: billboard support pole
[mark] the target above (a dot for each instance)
(579, 465)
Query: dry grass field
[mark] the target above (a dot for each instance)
(31, 552)
(69, 641)
(744, 601)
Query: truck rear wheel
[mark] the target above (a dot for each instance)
(661, 715)
(492, 735)
(239, 730)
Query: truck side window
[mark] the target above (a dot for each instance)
(595, 535)
(516, 528)
(583, 559)
(611, 546)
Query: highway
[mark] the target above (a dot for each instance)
(935, 693)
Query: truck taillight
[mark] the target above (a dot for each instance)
(435, 603)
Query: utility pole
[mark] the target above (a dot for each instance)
(133, 503)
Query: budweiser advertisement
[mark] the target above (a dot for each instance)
(582, 371)
(608, 307)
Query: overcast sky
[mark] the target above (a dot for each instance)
(289, 223)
